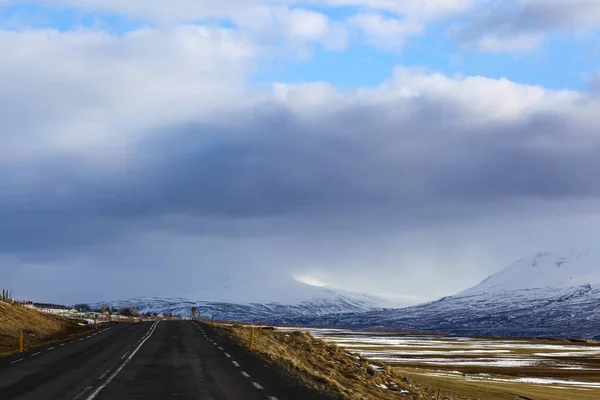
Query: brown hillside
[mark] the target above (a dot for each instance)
(38, 328)
(330, 369)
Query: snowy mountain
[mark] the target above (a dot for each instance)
(544, 271)
(547, 295)
(245, 300)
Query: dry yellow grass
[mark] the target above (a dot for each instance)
(38, 328)
(330, 369)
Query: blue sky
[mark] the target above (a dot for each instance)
(366, 144)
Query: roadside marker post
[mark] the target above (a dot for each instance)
(198, 316)
(95, 323)
(21, 344)
(251, 343)
(212, 320)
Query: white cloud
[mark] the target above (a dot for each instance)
(80, 88)
(519, 43)
(521, 26)
(306, 24)
(417, 9)
(386, 33)
(310, 281)
(286, 19)
(473, 99)
(292, 26)
(159, 11)
(190, 10)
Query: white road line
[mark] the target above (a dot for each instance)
(16, 361)
(36, 354)
(72, 342)
(256, 385)
(124, 355)
(104, 374)
(235, 363)
(82, 393)
(245, 374)
(81, 340)
(50, 348)
(87, 337)
(220, 348)
(62, 345)
(227, 355)
(110, 378)
(272, 398)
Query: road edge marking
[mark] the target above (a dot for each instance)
(82, 393)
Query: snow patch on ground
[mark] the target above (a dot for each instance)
(444, 351)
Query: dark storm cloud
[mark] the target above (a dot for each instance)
(360, 164)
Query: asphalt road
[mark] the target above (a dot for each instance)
(149, 360)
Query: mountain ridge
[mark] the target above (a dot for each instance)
(234, 299)
(549, 294)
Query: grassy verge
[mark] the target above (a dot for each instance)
(38, 328)
(330, 369)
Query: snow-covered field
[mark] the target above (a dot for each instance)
(555, 364)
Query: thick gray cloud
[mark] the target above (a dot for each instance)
(163, 173)
(423, 168)
(413, 165)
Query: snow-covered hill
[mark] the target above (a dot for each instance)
(544, 271)
(549, 294)
(257, 300)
